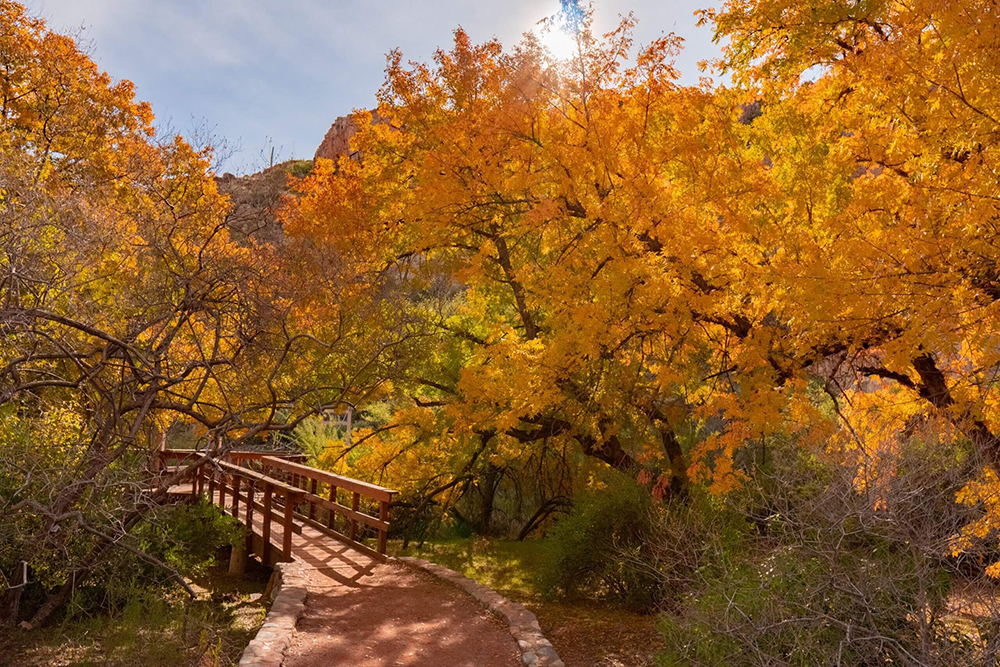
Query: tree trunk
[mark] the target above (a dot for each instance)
(934, 389)
(488, 490)
(10, 599)
(484, 439)
(544, 510)
(76, 577)
(55, 600)
(238, 558)
(611, 452)
(678, 463)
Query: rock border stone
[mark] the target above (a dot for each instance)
(267, 648)
(535, 649)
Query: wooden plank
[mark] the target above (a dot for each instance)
(236, 496)
(330, 512)
(248, 519)
(368, 490)
(355, 504)
(383, 533)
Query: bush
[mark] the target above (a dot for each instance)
(837, 573)
(300, 168)
(598, 549)
(188, 537)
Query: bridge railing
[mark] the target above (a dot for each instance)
(280, 489)
(322, 492)
(244, 486)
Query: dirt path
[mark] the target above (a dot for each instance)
(395, 616)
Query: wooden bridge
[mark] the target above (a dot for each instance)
(360, 611)
(291, 511)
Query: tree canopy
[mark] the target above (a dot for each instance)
(528, 268)
(665, 274)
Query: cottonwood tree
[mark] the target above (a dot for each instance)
(668, 275)
(877, 213)
(547, 218)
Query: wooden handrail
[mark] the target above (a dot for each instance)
(277, 484)
(383, 496)
(236, 454)
(364, 488)
(343, 510)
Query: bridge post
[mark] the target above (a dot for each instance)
(249, 515)
(355, 505)
(312, 506)
(238, 558)
(211, 486)
(266, 556)
(289, 525)
(330, 514)
(383, 534)
(236, 496)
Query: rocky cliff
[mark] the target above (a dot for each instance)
(337, 139)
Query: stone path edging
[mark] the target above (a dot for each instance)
(535, 649)
(267, 649)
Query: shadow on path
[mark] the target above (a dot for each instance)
(396, 617)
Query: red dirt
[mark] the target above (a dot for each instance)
(396, 616)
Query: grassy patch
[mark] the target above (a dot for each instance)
(508, 567)
(154, 628)
(300, 168)
(586, 632)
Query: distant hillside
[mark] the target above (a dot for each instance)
(256, 199)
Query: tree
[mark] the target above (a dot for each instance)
(880, 131)
(127, 305)
(540, 215)
(668, 275)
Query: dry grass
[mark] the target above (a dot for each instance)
(152, 630)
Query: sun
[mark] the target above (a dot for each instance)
(559, 33)
(558, 41)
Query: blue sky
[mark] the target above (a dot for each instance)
(263, 73)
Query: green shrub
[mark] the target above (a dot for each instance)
(835, 574)
(300, 168)
(187, 537)
(598, 549)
